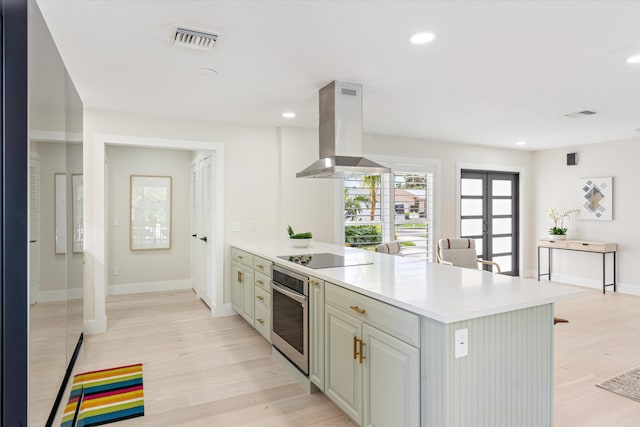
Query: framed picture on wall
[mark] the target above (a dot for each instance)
(595, 198)
(60, 212)
(78, 227)
(150, 225)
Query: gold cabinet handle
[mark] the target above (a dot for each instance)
(355, 347)
(362, 344)
(357, 309)
(260, 282)
(240, 257)
(239, 277)
(315, 282)
(261, 321)
(261, 267)
(260, 297)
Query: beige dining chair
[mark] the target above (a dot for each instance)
(461, 253)
(391, 248)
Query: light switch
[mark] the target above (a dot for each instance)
(236, 226)
(253, 225)
(116, 222)
(461, 345)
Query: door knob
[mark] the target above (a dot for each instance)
(194, 235)
(204, 239)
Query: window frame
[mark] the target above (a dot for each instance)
(404, 165)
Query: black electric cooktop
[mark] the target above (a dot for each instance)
(323, 260)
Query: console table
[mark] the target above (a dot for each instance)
(603, 248)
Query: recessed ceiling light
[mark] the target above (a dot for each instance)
(521, 142)
(422, 38)
(288, 115)
(634, 59)
(207, 71)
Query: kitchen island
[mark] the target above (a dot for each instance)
(433, 345)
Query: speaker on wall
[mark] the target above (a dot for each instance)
(572, 159)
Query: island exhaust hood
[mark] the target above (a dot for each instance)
(340, 134)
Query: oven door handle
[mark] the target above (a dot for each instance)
(293, 295)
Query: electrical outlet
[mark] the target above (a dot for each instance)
(236, 226)
(461, 345)
(116, 222)
(253, 225)
(116, 271)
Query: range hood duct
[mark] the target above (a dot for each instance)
(340, 134)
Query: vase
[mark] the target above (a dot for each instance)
(557, 236)
(301, 243)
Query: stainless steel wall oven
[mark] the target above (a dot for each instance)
(289, 316)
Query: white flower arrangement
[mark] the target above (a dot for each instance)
(558, 218)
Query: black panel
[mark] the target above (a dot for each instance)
(14, 213)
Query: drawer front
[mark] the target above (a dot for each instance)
(262, 298)
(553, 244)
(392, 320)
(583, 245)
(263, 281)
(262, 265)
(242, 256)
(263, 321)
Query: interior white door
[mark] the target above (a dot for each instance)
(207, 229)
(203, 228)
(195, 260)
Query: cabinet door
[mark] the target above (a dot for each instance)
(316, 332)
(391, 380)
(343, 373)
(236, 286)
(247, 294)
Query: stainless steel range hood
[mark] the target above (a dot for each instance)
(340, 134)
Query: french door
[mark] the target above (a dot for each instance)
(489, 215)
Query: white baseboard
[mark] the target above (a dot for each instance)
(223, 310)
(142, 287)
(60, 295)
(623, 288)
(95, 326)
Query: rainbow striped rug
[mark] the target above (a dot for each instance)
(106, 396)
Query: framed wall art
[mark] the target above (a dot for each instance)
(78, 227)
(150, 225)
(60, 212)
(595, 198)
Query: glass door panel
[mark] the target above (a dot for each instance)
(471, 187)
(471, 207)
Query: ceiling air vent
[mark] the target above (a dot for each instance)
(193, 39)
(580, 114)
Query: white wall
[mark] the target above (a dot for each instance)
(309, 204)
(556, 186)
(146, 268)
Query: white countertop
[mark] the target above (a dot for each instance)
(441, 292)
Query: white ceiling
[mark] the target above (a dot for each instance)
(498, 71)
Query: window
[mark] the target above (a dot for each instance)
(390, 207)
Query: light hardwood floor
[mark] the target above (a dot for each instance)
(201, 371)
(601, 341)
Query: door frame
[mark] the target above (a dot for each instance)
(97, 232)
(460, 166)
